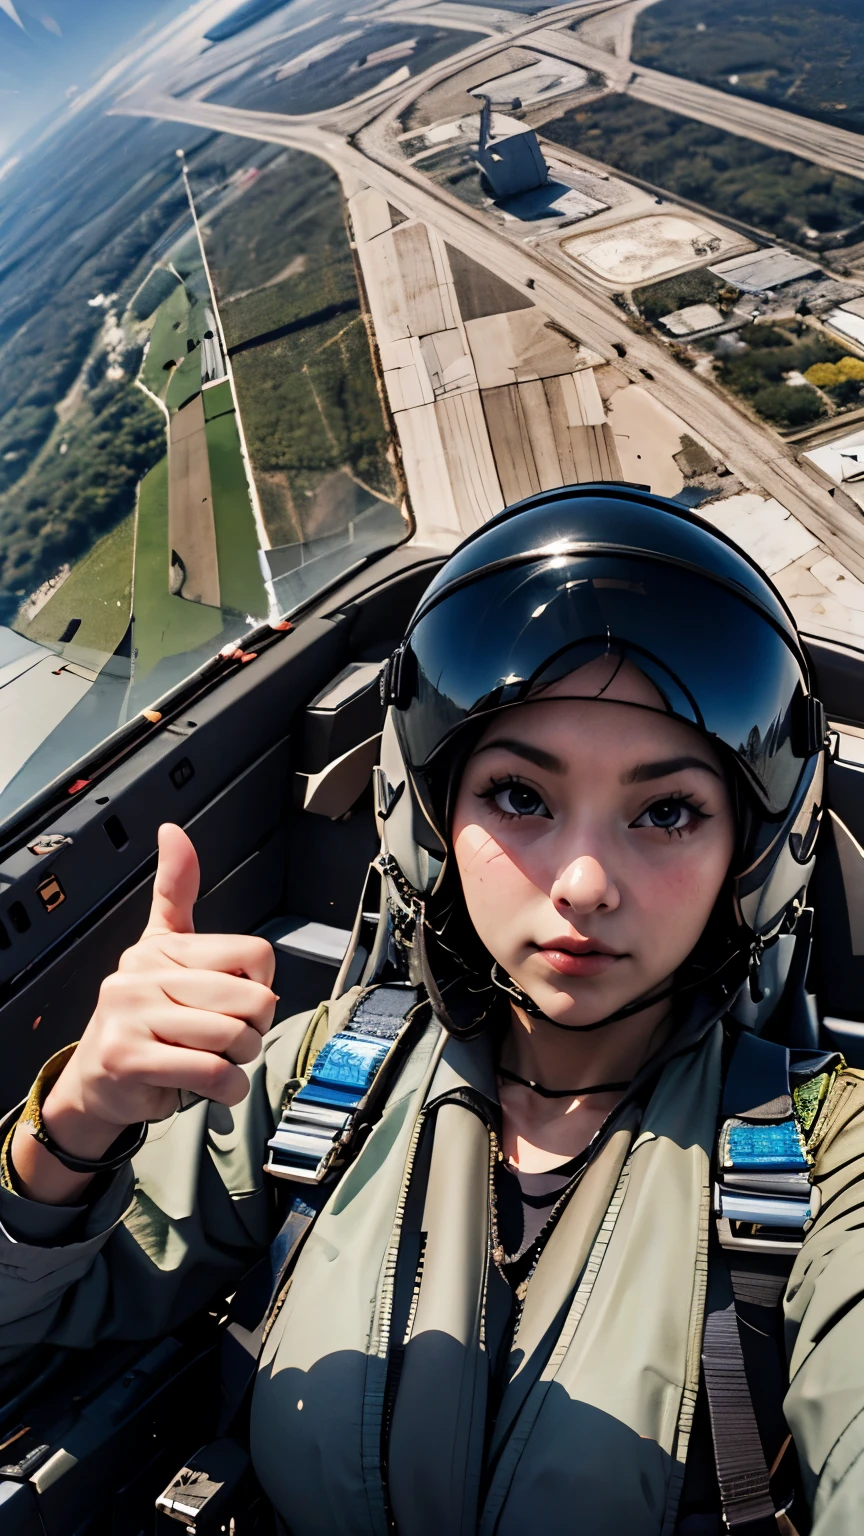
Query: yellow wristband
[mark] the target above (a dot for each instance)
(31, 1114)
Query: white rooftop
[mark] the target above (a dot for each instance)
(847, 324)
(760, 270)
(695, 317)
(843, 462)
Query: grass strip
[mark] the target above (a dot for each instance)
(240, 582)
(163, 625)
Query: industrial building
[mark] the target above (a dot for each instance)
(511, 161)
(759, 271)
(848, 321)
(693, 319)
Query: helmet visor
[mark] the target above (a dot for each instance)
(717, 662)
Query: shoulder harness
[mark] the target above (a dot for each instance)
(326, 1116)
(329, 1114)
(764, 1204)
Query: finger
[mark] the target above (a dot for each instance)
(175, 888)
(198, 1030)
(232, 954)
(210, 1075)
(216, 993)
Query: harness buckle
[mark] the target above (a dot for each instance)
(318, 1124)
(762, 1197)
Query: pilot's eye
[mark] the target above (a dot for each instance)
(674, 814)
(512, 798)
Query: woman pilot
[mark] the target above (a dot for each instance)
(537, 1293)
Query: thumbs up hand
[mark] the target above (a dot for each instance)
(182, 1010)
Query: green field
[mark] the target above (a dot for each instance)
(98, 592)
(289, 213)
(170, 323)
(734, 177)
(164, 625)
(309, 400)
(179, 319)
(185, 381)
(218, 399)
(240, 583)
(284, 274)
(803, 57)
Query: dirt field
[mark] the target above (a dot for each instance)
(191, 532)
(641, 249)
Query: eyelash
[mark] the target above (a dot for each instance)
(498, 786)
(676, 799)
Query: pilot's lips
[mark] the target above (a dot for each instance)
(572, 957)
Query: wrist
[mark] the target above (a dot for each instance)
(31, 1171)
(57, 1146)
(71, 1126)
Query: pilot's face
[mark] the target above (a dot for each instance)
(592, 840)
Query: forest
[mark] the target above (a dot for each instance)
(78, 496)
(56, 501)
(696, 287)
(803, 57)
(757, 370)
(41, 360)
(776, 193)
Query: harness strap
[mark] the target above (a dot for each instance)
(348, 1080)
(252, 1305)
(762, 1205)
(757, 1288)
(742, 1473)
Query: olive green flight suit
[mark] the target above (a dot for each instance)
(593, 1427)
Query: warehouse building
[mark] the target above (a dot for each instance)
(510, 160)
(761, 271)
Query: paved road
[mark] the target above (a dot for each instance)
(835, 148)
(756, 455)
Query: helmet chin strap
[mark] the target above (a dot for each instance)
(506, 984)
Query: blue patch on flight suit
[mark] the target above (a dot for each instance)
(775, 1146)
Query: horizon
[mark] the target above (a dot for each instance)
(54, 56)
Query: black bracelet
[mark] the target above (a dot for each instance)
(130, 1141)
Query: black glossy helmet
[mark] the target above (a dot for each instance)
(564, 577)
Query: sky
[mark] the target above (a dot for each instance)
(51, 50)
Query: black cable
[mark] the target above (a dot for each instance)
(560, 1093)
(523, 1001)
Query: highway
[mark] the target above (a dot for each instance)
(759, 458)
(835, 148)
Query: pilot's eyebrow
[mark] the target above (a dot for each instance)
(643, 772)
(531, 754)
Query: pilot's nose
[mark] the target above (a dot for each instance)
(584, 886)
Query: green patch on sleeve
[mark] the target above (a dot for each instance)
(808, 1099)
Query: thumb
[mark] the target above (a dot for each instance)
(175, 889)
